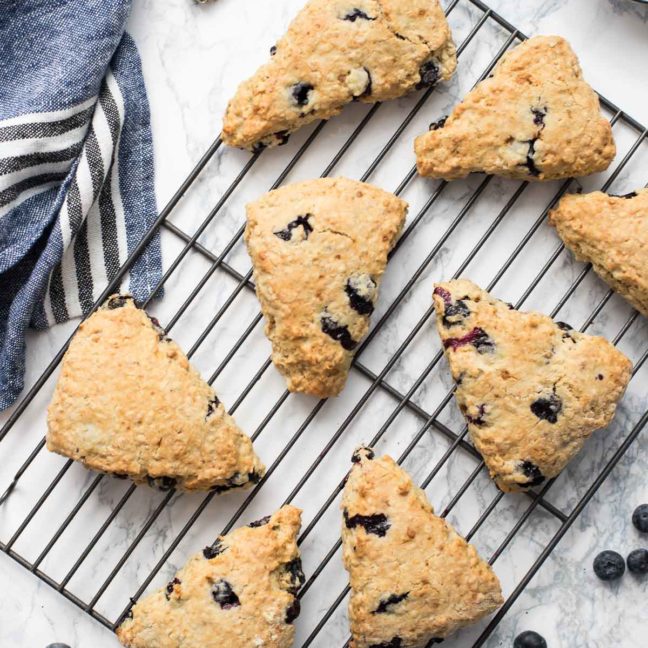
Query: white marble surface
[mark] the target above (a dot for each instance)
(194, 56)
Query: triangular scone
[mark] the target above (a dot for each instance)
(535, 118)
(238, 593)
(611, 232)
(129, 403)
(319, 249)
(413, 578)
(532, 390)
(337, 51)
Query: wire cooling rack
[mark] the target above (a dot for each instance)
(102, 543)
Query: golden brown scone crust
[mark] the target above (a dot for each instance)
(412, 576)
(319, 249)
(369, 50)
(532, 390)
(611, 232)
(238, 593)
(535, 118)
(129, 403)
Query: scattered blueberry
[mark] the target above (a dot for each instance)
(212, 406)
(529, 639)
(438, 124)
(301, 93)
(356, 289)
(339, 332)
(301, 221)
(479, 419)
(609, 565)
(214, 550)
(395, 642)
(640, 518)
(429, 73)
(224, 595)
(533, 473)
(547, 409)
(259, 523)
(273, 50)
(297, 578)
(161, 483)
(356, 14)
(455, 313)
(292, 611)
(117, 301)
(638, 561)
(600, 377)
(477, 337)
(170, 587)
(538, 116)
(376, 524)
(367, 453)
(392, 599)
(530, 162)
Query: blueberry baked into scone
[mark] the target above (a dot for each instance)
(319, 249)
(532, 390)
(413, 578)
(240, 592)
(335, 52)
(534, 118)
(611, 233)
(128, 403)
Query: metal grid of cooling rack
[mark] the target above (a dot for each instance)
(377, 383)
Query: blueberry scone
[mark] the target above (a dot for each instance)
(319, 249)
(129, 403)
(534, 118)
(611, 233)
(413, 578)
(239, 592)
(532, 390)
(335, 52)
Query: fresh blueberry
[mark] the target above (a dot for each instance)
(292, 611)
(356, 14)
(376, 524)
(212, 406)
(161, 483)
(259, 523)
(477, 337)
(359, 290)
(385, 604)
(224, 595)
(547, 409)
(170, 587)
(214, 550)
(301, 93)
(609, 565)
(429, 73)
(530, 161)
(455, 313)
(367, 453)
(538, 116)
(529, 639)
(395, 642)
(297, 578)
(533, 473)
(301, 221)
(438, 124)
(640, 518)
(638, 561)
(339, 332)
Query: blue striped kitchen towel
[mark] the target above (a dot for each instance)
(76, 167)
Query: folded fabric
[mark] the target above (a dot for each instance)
(76, 167)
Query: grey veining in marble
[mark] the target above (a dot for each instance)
(193, 57)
